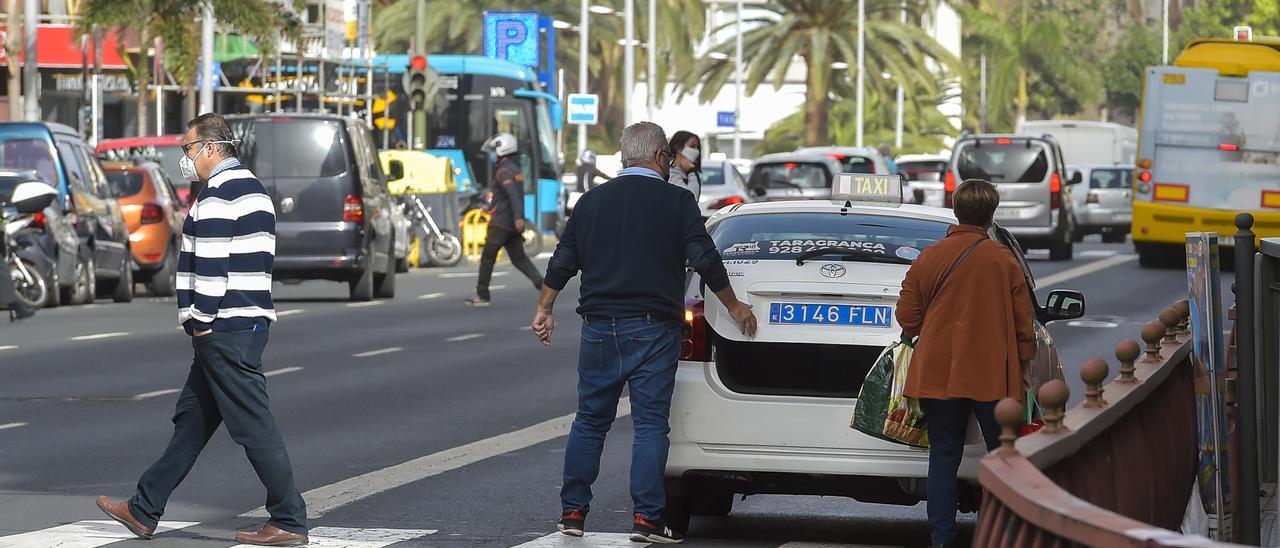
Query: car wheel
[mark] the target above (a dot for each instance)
(1063, 250)
(385, 284)
(123, 292)
(361, 286)
(162, 281)
(54, 285)
(82, 289)
(711, 502)
(677, 511)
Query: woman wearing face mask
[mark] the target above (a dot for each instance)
(686, 168)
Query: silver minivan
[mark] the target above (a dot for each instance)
(1106, 206)
(1035, 198)
(793, 176)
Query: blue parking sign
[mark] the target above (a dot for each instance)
(584, 109)
(512, 36)
(726, 119)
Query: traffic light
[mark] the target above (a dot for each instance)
(415, 83)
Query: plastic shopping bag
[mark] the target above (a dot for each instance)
(905, 422)
(873, 408)
(1033, 419)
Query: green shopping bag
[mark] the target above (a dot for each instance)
(881, 411)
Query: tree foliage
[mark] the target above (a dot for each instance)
(925, 128)
(1122, 73)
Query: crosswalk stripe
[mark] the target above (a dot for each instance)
(345, 537)
(82, 534)
(593, 540)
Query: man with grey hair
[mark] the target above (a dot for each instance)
(630, 239)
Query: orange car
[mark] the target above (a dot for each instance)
(154, 214)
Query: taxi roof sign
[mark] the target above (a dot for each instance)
(867, 188)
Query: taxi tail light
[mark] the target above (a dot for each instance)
(152, 213)
(352, 209)
(949, 185)
(1055, 192)
(725, 202)
(693, 333)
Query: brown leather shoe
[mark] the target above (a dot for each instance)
(119, 511)
(271, 535)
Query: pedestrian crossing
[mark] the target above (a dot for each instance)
(82, 534)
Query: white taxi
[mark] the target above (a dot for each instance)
(770, 414)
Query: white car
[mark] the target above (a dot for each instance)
(770, 415)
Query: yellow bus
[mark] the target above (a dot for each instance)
(1208, 146)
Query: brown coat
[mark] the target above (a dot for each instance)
(975, 338)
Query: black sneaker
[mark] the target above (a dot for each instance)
(477, 301)
(655, 531)
(573, 523)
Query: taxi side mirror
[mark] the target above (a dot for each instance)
(1062, 304)
(395, 170)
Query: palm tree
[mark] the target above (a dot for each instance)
(925, 128)
(823, 34)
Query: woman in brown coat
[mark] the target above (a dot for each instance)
(968, 300)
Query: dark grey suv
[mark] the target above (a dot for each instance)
(333, 211)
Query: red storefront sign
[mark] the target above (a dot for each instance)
(58, 47)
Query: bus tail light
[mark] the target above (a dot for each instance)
(1271, 199)
(1168, 192)
(1055, 191)
(949, 186)
(693, 333)
(1145, 176)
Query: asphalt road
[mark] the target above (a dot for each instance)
(449, 419)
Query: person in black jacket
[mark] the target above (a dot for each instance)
(506, 221)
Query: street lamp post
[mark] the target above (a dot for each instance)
(629, 61)
(862, 23)
(897, 133)
(30, 75)
(206, 59)
(1164, 57)
(651, 52)
(737, 87)
(584, 33)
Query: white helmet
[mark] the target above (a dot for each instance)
(588, 156)
(502, 144)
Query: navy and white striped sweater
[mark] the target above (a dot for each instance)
(228, 248)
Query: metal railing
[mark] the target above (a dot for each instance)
(1116, 470)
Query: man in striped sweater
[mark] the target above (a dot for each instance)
(224, 304)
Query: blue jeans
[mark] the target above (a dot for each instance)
(947, 421)
(642, 354)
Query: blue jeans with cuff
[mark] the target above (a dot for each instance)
(640, 353)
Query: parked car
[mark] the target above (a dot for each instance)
(333, 210)
(99, 263)
(165, 150)
(1106, 206)
(853, 159)
(722, 185)
(769, 414)
(154, 214)
(1035, 193)
(793, 176)
(924, 172)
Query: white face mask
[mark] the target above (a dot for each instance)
(188, 166)
(690, 154)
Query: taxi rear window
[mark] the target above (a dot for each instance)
(787, 235)
(791, 175)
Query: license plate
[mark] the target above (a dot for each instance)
(1005, 214)
(831, 314)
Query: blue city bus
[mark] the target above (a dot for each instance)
(479, 96)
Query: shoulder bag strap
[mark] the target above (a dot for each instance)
(946, 275)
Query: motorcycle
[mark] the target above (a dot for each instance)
(430, 245)
(27, 196)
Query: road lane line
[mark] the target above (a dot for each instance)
(449, 275)
(497, 287)
(9, 347)
(13, 425)
(283, 313)
(322, 500)
(364, 304)
(526, 328)
(99, 336)
(594, 540)
(430, 296)
(466, 337)
(281, 371)
(157, 393)
(1083, 270)
(83, 534)
(378, 352)
(345, 537)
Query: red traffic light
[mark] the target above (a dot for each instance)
(418, 62)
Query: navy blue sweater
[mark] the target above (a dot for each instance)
(631, 238)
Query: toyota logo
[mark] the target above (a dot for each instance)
(832, 270)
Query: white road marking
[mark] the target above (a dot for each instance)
(283, 313)
(526, 328)
(378, 352)
(592, 540)
(101, 336)
(1098, 253)
(156, 394)
(82, 534)
(344, 537)
(430, 296)
(12, 425)
(281, 371)
(545, 255)
(9, 347)
(322, 500)
(1083, 270)
(497, 287)
(499, 274)
(365, 304)
(466, 337)
(1095, 324)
